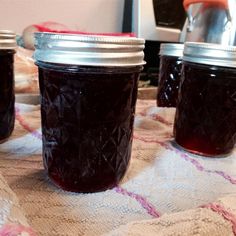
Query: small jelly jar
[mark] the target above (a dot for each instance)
(169, 74)
(7, 101)
(88, 87)
(206, 110)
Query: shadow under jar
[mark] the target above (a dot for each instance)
(206, 110)
(169, 74)
(88, 96)
(7, 94)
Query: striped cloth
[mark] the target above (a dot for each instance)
(165, 191)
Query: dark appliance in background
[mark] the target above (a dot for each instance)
(156, 21)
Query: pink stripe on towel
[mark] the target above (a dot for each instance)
(142, 200)
(227, 215)
(24, 124)
(16, 230)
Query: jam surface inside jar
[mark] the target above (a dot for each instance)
(87, 124)
(169, 79)
(7, 101)
(206, 110)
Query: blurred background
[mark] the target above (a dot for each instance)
(156, 21)
(83, 15)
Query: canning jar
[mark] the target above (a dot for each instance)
(169, 74)
(206, 110)
(88, 87)
(7, 101)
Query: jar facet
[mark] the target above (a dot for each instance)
(169, 79)
(87, 124)
(169, 74)
(7, 101)
(206, 110)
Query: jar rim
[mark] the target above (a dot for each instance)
(90, 37)
(7, 39)
(172, 49)
(94, 50)
(210, 54)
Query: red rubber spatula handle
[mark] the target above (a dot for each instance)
(222, 3)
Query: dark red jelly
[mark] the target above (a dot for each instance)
(7, 101)
(169, 79)
(87, 124)
(206, 111)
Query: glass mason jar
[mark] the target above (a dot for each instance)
(206, 110)
(169, 74)
(7, 101)
(88, 87)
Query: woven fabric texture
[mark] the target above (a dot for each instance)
(161, 186)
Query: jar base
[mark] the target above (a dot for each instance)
(198, 153)
(80, 189)
(3, 140)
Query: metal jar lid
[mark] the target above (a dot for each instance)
(7, 39)
(210, 54)
(91, 50)
(171, 49)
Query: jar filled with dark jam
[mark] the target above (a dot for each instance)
(206, 110)
(169, 74)
(7, 101)
(88, 87)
